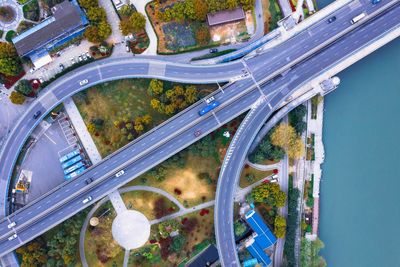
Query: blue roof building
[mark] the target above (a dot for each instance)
(261, 240)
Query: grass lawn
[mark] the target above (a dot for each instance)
(259, 175)
(194, 191)
(144, 201)
(201, 233)
(117, 101)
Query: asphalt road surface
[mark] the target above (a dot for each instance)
(177, 133)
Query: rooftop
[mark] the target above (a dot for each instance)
(67, 16)
(225, 16)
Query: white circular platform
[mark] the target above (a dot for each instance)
(131, 229)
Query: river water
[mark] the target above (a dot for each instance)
(360, 189)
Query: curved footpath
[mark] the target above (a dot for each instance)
(239, 147)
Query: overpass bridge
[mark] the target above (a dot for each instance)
(386, 27)
(295, 59)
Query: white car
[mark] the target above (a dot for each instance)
(12, 237)
(80, 58)
(83, 82)
(87, 54)
(209, 100)
(86, 200)
(11, 225)
(120, 173)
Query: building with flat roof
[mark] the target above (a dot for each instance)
(67, 22)
(225, 16)
(261, 240)
(205, 258)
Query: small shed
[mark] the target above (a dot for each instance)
(225, 16)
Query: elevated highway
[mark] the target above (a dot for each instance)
(295, 59)
(372, 31)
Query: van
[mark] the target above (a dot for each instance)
(11, 225)
(86, 200)
(12, 237)
(357, 18)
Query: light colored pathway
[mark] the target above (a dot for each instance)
(140, 6)
(80, 128)
(262, 167)
(117, 201)
(126, 258)
(113, 19)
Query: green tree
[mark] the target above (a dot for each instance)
(125, 26)
(87, 4)
(239, 228)
(270, 194)
(201, 10)
(167, 227)
(138, 21)
(247, 4)
(104, 30)
(232, 4)
(286, 137)
(10, 66)
(92, 34)
(96, 14)
(250, 177)
(126, 10)
(280, 226)
(191, 94)
(24, 87)
(17, 98)
(178, 242)
(203, 35)
(156, 87)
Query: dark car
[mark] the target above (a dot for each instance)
(331, 19)
(89, 180)
(213, 50)
(197, 133)
(37, 114)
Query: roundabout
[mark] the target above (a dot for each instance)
(10, 15)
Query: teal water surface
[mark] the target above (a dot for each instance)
(323, 3)
(360, 189)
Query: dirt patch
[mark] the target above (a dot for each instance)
(266, 15)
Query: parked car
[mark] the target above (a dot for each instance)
(127, 48)
(72, 60)
(37, 114)
(61, 66)
(331, 19)
(86, 200)
(213, 50)
(11, 225)
(83, 82)
(41, 79)
(80, 58)
(32, 70)
(88, 54)
(84, 56)
(120, 173)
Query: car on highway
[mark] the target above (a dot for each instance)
(197, 133)
(89, 180)
(213, 50)
(83, 82)
(208, 108)
(37, 114)
(209, 100)
(86, 200)
(374, 2)
(120, 173)
(331, 19)
(12, 237)
(11, 225)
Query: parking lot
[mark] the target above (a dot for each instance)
(43, 161)
(66, 57)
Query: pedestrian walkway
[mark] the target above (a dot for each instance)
(117, 202)
(66, 127)
(140, 6)
(112, 19)
(81, 130)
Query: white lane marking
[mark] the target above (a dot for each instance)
(50, 138)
